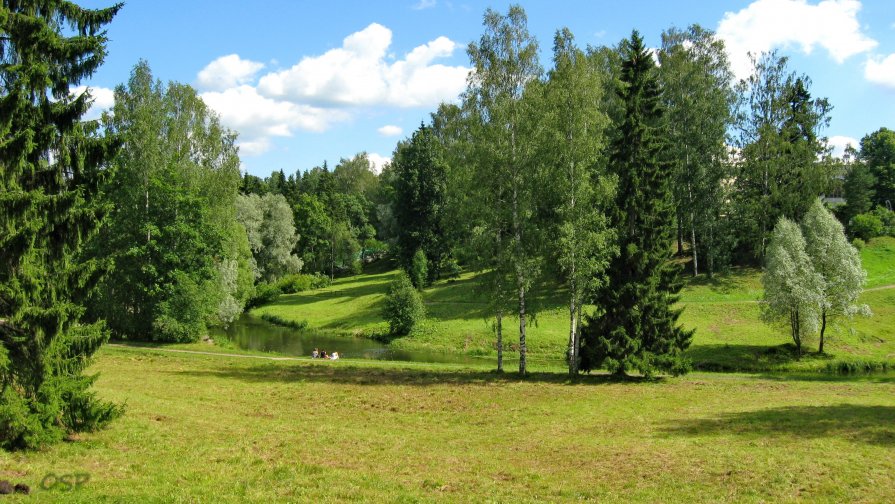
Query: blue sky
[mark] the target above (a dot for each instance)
(304, 82)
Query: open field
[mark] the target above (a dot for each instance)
(218, 429)
(724, 312)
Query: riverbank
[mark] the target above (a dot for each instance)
(214, 428)
(724, 312)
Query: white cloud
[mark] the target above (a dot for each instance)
(227, 72)
(839, 143)
(378, 162)
(767, 24)
(103, 100)
(358, 74)
(390, 130)
(881, 71)
(424, 4)
(320, 91)
(258, 118)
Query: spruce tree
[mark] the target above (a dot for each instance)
(635, 326)
(51, 166)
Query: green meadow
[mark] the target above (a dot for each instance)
(211, 428)
(724, 311)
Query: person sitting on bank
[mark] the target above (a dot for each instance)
(335, 356)
(315, 354)
(323, 354)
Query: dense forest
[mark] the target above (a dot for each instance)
(592, 174)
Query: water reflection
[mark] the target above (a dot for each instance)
(253, 333)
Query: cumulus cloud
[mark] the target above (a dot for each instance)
(378, 162)
(766, 24)
(839, 143)
(258, 118)
(390, 130)
(103, 99)
(227, 72)
(323, 90)
(881, 71)
(358, 74)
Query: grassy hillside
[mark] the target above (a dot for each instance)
(218, 429)
(723, 311)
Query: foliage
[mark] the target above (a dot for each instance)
(635, 326)
(403, 307)
(838, 264)
(419, 199)
(858, 191)
(778, 173)
(52, 166)
(290, 284)
(181, 260)
(878, 153)
(793, 289)
(866, 226)
(576, 187)
(699, 99)
(503, 120)
(419, 270)
(270, 228)
(264, 294)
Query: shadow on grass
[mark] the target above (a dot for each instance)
(749, 358)
(866, 424)
(353, 375)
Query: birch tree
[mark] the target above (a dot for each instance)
(572, 142)
(505, 62)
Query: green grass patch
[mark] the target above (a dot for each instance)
(215, 429)
(285, 322)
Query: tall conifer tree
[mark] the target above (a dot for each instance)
(51, 165)
(636, 326)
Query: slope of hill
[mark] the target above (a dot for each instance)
(724, 312)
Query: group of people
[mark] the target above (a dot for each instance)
(321, 354)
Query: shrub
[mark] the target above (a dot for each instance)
(866, 226)
(264, 293)
(280, 321)
(451, 268)
(290, 284)
(403, 306)
(419, 270)
(887, 217)
(858, 243)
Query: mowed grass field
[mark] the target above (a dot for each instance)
(214, 429)
(724, 312)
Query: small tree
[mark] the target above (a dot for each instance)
(838, 264)
(793, 290)
(403, 306)
(419, 270)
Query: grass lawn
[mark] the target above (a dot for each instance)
(218, 429)
(724, 312)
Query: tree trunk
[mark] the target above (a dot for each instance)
(577, 347)
(572, 332)
(693, 246)
(500, 340)
(680, 235)
(823, 328)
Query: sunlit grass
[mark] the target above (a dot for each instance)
(218, 429)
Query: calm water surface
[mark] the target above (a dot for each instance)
(253, 333)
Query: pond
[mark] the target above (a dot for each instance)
(253, 333)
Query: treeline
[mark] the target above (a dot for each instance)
(594, 172)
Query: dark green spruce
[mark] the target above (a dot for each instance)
(51, 167)
(637, 328)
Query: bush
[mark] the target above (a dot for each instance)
(290, 284)
(866, 226)
(264, 293)
(887, 217)
(451, 269)
(858, 243)
(280, 321)
(419, 270)
(403, 306)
